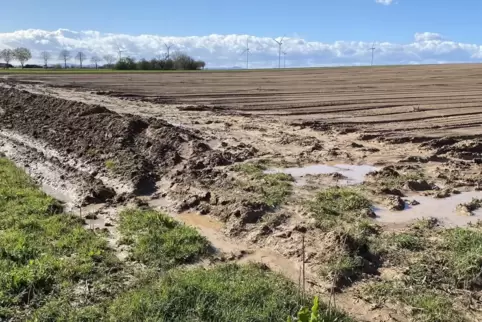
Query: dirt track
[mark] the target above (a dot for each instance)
(435, 100)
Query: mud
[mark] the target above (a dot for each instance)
(346, 173)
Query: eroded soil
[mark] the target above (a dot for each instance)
(184, 157)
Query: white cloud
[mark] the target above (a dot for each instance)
(384, 2)
(226, 50)
(428, 36)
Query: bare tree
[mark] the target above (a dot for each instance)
(7, 56)
(65, 55)
(95, 59)
(22, 54)
(46, 56)
(110, 59)
(81, 57)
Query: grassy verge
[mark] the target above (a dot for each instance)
(272, 189)
(43, 253)
(224, 293)
(52, 269)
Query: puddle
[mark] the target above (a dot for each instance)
(353, 174)
(196, 220)
(442, 209)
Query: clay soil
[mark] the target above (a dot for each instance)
(178, 142)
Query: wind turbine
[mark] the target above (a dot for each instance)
(120, 51)
(168, 49)
(373, 51)
(280, 43)
(247, 52)
(284, 56)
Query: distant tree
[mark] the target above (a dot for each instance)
(200, 64)
(144, 65)
(126, 63)
(109, 59)
(7, 56)
(22, 54)
(95, 59)
(65, 56)
(81, 57)
(46, 56)
(183, 61)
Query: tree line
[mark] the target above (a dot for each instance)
(177, 61)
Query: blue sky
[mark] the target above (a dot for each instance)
(322, 20)
(321, 23)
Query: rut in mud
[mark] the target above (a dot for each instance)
(135, 150)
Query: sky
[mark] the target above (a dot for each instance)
(317, 32)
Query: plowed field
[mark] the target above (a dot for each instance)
(432, 100)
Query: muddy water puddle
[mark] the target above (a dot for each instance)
(350, 174)
(442, 209)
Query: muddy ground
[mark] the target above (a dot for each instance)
(180, 142)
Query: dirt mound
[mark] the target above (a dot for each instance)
(134, 149)
(467, 149)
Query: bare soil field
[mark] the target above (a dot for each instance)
(432, 100)
(369, 178)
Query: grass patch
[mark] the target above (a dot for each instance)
(43, 252)
(426, 305)
(224, 293)
(160, 241)
(111, 165)
(338, 203)
(273, 188)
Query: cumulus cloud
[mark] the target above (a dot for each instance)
(428, 36)
(227, 50)
(384, 2)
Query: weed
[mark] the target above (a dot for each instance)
(407, 241)
(159, 240)
(334, 204)
(273, 188)
(250, 168)
(111, 165)
(427, 305)
(306, 314)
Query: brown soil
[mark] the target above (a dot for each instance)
(407, 101)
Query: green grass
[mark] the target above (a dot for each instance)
(338, 204)
(426, 305)
(441, 263)
(43, 253)
(224, 293)
(160, 241)
(273, 189)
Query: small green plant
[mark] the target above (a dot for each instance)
(305, 314)
(110, 165)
